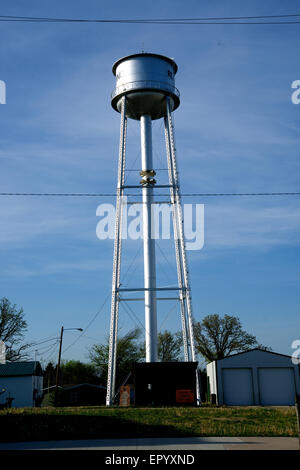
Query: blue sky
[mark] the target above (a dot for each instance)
(236, 131)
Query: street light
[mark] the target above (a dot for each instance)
(59, 357)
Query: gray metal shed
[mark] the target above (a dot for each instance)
(254, 377)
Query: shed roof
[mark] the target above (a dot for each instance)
(250, 351)
(256, 349)
(23, 368)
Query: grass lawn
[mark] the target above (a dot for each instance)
(49, 423)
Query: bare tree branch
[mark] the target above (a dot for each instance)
(12, 329)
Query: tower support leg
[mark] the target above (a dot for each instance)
(113, 337)
(183, 275)
(180, 275)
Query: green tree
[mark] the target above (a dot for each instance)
(217, 337)
(49, 375)
(12, 329)
(76, 372)
(71, 372)
(169, 346)
(129, 350)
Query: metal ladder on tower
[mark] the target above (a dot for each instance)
(111, 375)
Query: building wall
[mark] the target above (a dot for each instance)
(212, 377)
(83, 395)
(21, 389)
(37, 384)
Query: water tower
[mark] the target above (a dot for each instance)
(145, 91)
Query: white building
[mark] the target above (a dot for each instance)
(21, 384)
(255, 377)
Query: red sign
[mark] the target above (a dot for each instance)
(185, 396)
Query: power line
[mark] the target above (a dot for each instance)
(44, 341)
(242, 194)
(44, 349)
(175, 21)
(59, 194)
(136, 195)
(54, 349)
(89, 324)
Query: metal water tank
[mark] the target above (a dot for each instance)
(146, 79)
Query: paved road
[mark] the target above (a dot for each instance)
(194, 443)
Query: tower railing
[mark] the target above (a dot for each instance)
(145, 84)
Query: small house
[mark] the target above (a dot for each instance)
(21, 384)
(83, 395)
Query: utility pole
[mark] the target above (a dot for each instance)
(59, 358)
(58, 365)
